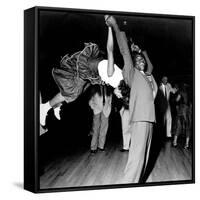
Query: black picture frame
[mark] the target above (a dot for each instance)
(39, 21)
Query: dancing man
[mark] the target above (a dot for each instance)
(143, 89)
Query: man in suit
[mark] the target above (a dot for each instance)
(142, 112)
(100, 103)
(165, 89)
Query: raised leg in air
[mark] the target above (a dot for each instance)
(54, 103)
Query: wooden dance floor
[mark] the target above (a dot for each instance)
(81, 168)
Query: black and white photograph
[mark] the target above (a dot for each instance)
(115, 99)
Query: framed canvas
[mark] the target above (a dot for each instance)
(108, 99)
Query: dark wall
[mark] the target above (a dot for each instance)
(168, 41)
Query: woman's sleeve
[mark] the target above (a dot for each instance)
(110, 44)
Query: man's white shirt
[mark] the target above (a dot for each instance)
(163, 88)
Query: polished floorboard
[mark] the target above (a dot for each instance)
(81, 168)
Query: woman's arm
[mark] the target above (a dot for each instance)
(110, 44)
(128, 70)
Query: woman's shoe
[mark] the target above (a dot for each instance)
(57, 112)
(44, 108)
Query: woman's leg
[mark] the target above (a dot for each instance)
(187, 142)
(56, 100)
(188, 131)
(177, 131)
(55, 103)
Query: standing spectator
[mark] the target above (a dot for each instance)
(100, 103)
(184, 116)
(173, 106)
(165, 89)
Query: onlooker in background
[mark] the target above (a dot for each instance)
(173, 106)
(165, 89)
(184, 116)
(100, 103)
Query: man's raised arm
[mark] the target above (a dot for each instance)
(149, 64)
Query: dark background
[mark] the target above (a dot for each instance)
(168, 41)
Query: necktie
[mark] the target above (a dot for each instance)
(165, 92)
(103, 93)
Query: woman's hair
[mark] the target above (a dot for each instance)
(125, 89)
